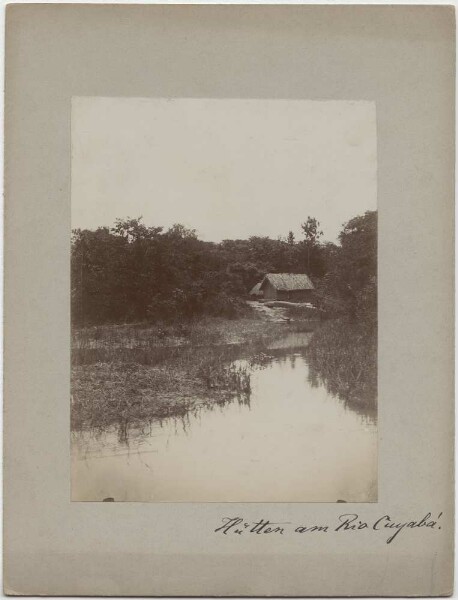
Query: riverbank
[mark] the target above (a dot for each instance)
(122, 374)
(342, 356)
(260, 322)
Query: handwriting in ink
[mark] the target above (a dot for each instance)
(348, 522)
(238, 526)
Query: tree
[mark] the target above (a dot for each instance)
(179, 231)
(133, 229)
(350, 285)
(312, 233)
(96, 267)
(134, 272)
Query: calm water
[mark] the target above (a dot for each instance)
(293, 441)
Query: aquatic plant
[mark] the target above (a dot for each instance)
(342, 355)
(127, 375)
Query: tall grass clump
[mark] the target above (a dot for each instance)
(342, 355)
(119, 391)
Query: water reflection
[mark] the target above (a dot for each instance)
(306, 432)
(342, 356)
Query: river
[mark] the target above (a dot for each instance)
(295, 439)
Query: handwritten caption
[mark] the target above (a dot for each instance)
(345, 523)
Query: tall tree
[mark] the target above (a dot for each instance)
(290, 239)
(350, 285)
(312, 234)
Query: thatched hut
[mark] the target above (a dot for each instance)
(293, 287)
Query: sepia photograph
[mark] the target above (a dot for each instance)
(224, 372)
(223, 300)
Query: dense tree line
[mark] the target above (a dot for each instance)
(131, 272)
(349, 285)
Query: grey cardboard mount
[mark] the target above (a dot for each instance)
(400, 57)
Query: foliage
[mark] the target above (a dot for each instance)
(290, 238)
(342, 355)
(312, 234)
(311, 231)
(137, 273)
(125, 374)
(350, 284)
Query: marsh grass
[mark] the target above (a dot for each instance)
(155, 344)
(104, 393)
(127, 375)
(342, 356)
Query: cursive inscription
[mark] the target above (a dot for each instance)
(349, 523)
(238, 525)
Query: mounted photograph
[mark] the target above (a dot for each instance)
(223, 300)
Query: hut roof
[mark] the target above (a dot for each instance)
(256, 289)
(289, 281)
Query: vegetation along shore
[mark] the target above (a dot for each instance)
(162, 322)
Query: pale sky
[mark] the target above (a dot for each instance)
(227, 168)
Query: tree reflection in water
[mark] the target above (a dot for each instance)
(342, 356)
